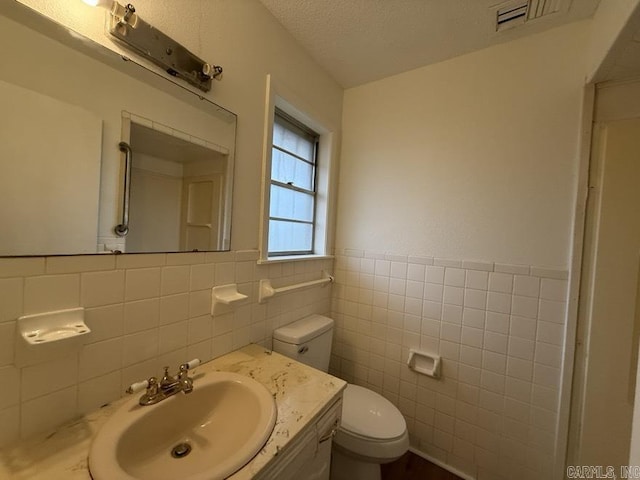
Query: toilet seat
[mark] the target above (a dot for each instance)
(372, 427)
(370, 415)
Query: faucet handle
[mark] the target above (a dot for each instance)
(139, 386)
(185, 367)
(189, 365)
(152, 388)
(192, 363)
(183, 376)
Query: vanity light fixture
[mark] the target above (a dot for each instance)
(129, 30)
(123, 14)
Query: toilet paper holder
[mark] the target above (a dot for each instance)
(425, 363)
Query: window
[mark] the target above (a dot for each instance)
(292, 206)
(300, 151)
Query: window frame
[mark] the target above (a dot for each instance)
(280, 97)
(288, 120)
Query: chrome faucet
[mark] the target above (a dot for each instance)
(173, 384)
(168, 386)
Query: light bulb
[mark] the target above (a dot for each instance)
(99, 3)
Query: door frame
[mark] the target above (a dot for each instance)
(575, 374)
(574, 355)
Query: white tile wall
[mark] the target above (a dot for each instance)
(145, 312)
(500, 331)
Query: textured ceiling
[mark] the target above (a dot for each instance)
(359, 41)
(623, 60)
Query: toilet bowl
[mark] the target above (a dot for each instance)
(372, 431)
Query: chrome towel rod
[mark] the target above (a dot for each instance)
(122, 229)
(267, 291)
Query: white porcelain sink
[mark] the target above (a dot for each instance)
(224, 422)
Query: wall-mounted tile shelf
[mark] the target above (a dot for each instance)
(424, 363)
(49, 335)
(57, 326)
(226, 295)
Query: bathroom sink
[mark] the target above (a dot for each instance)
(207, 434)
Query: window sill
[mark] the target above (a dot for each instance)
(294, 258)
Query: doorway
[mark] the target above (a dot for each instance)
(177, 189)
(608, 314)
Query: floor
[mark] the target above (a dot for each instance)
(413, 467)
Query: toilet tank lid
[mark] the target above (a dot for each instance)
(303, 330)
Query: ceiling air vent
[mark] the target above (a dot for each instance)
(518, 12)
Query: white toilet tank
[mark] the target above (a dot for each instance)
(307, 340)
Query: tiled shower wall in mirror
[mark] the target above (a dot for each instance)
(145, 312)
(500, 331)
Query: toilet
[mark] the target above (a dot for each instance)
(372, 431)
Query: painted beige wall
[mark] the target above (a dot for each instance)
(243, 37)
(470, 158)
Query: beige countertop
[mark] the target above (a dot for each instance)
(301, 394)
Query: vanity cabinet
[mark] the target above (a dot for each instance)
(309, 455)
(309, 404)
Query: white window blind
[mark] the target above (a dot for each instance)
(293, 187)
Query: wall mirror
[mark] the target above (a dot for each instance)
(67, 107)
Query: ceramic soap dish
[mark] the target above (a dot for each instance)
(49, 327)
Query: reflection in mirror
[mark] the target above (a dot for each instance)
(50, 178)
(62, 185)
(177, 182)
